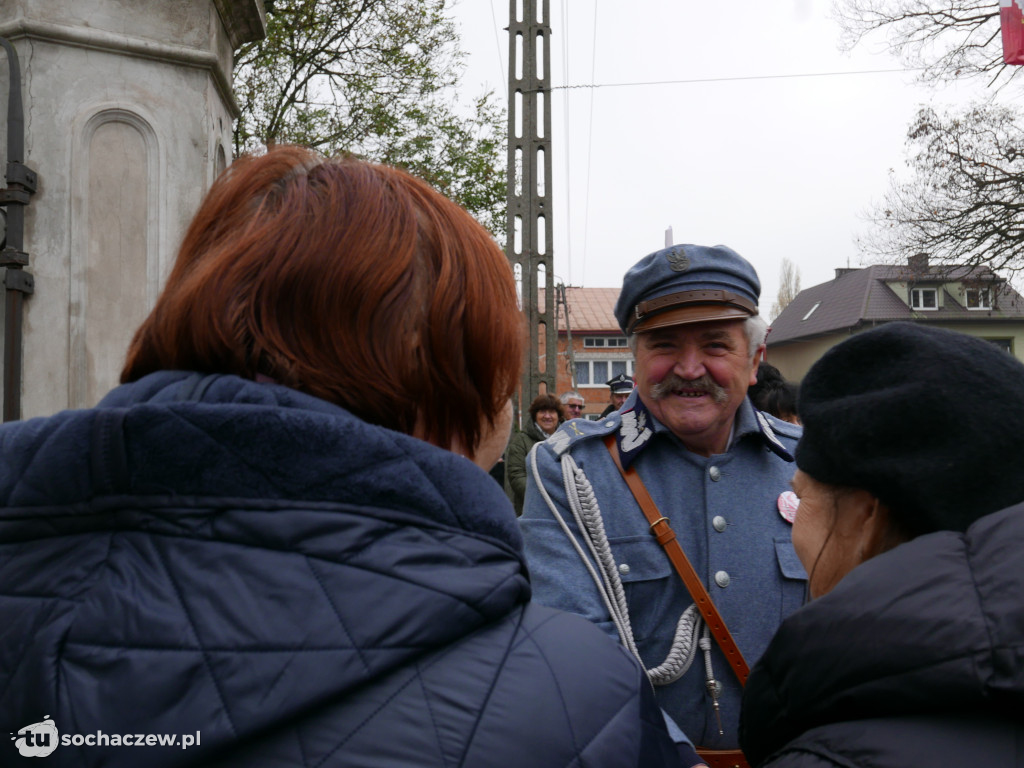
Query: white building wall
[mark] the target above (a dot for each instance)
(128, 117)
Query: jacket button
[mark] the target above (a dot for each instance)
(715, 474)
(624, 568)
(722, 579)
(720, 523)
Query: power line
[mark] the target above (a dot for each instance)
(564, 10)
(497, 47)
(734, 79)
(590, 147)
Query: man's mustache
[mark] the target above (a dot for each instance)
(673, 383)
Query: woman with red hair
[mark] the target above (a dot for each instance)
(277, 537)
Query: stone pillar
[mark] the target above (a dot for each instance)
(128, 119)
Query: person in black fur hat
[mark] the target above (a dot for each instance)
(911, 528)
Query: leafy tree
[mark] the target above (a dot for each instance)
(962, 199)
(789, 287)
(375, 78)
(963, 202)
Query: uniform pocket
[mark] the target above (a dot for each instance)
(794, 577)
(646, 575)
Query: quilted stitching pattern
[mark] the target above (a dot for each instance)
(298, 586)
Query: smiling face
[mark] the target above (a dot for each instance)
(693, 379)
(547, 420)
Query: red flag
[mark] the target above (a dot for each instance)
(1012, 21)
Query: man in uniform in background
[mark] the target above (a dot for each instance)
(714, 466)
(621, 386)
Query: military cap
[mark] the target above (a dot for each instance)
(687, 284)
(620, 383)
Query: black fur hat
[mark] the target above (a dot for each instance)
(928, 420)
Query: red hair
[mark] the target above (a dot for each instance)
(353, 282)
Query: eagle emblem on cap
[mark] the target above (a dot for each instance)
(678, 261)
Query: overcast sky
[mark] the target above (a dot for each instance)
(771, 166)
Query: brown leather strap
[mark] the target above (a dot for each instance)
(723, 758)
(667, 538)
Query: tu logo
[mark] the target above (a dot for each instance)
(38, 739)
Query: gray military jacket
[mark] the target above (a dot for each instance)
(725, 511)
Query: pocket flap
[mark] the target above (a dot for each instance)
(645, 557)
(789, 563)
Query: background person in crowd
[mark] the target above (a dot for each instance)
(544, 417)
(619, 388)
(572, 404)
(911, 527)
(280, 532)
(715, 469)
(773, 394)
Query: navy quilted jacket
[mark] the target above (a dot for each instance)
(916, 658)
(212, 556)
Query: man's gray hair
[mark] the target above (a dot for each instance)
(755, 327)
(757, 331)
(571, 395)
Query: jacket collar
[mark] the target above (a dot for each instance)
(639, 426)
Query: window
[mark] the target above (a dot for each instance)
(582, 374)
(604, 342)
(594, 373)
(924, 298)
(978, 298)
(1004, 344)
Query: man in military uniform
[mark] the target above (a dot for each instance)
(715, 467)
(620, 388)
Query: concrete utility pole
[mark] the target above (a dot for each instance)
(529, 246)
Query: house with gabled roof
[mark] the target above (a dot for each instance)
(973, 300)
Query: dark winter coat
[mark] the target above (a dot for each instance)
(916, 658)
(519, 446)
(212, 555)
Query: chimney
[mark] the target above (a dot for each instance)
(918, 262)
(840, 271)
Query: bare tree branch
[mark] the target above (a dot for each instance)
(789, 287)
(963, 201)
(949, 40)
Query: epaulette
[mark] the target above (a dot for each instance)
(575, 430)
(771, 428)
(783, 428)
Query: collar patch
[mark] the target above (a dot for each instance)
(774, 444)
(560, 440)
(634, 433)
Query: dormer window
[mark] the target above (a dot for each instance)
(924, 298)
(811, 311)
(978, 298)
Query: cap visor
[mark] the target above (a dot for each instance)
(700, 313)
